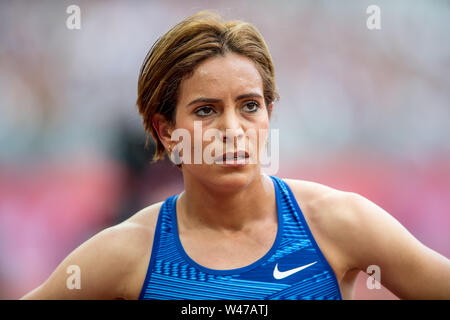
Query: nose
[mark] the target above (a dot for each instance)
(231, 126)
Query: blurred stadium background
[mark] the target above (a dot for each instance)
(360, 110)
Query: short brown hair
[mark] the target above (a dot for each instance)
(176, 54)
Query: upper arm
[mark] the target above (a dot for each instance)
(102, 264)
(357, 234)
(373, 237)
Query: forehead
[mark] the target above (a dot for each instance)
(231, 74)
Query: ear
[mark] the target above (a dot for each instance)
(269, 109)
(163, 128)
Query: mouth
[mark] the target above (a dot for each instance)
(238, 157)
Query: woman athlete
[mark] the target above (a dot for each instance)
(234, 232)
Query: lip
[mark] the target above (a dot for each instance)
(222, 159)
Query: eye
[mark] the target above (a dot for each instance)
(204, 111)
(252, 106)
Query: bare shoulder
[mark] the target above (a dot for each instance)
(344, 216)
(145, 218)
(320, 202)
(357, 233)
(110, 264)
(334, 219)
(133, 238)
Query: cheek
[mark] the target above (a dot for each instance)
(183, 122)
(262, 122)
(263, 127)
(193, 132)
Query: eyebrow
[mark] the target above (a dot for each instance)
(213, 100)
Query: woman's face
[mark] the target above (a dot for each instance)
(223, 97)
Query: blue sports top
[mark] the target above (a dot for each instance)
(293, 269)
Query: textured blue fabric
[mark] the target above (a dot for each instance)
(173, 275)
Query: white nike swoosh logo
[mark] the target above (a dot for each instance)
(277, 274)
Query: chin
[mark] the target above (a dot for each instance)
(224, 178)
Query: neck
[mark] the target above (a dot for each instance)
(204, 206)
